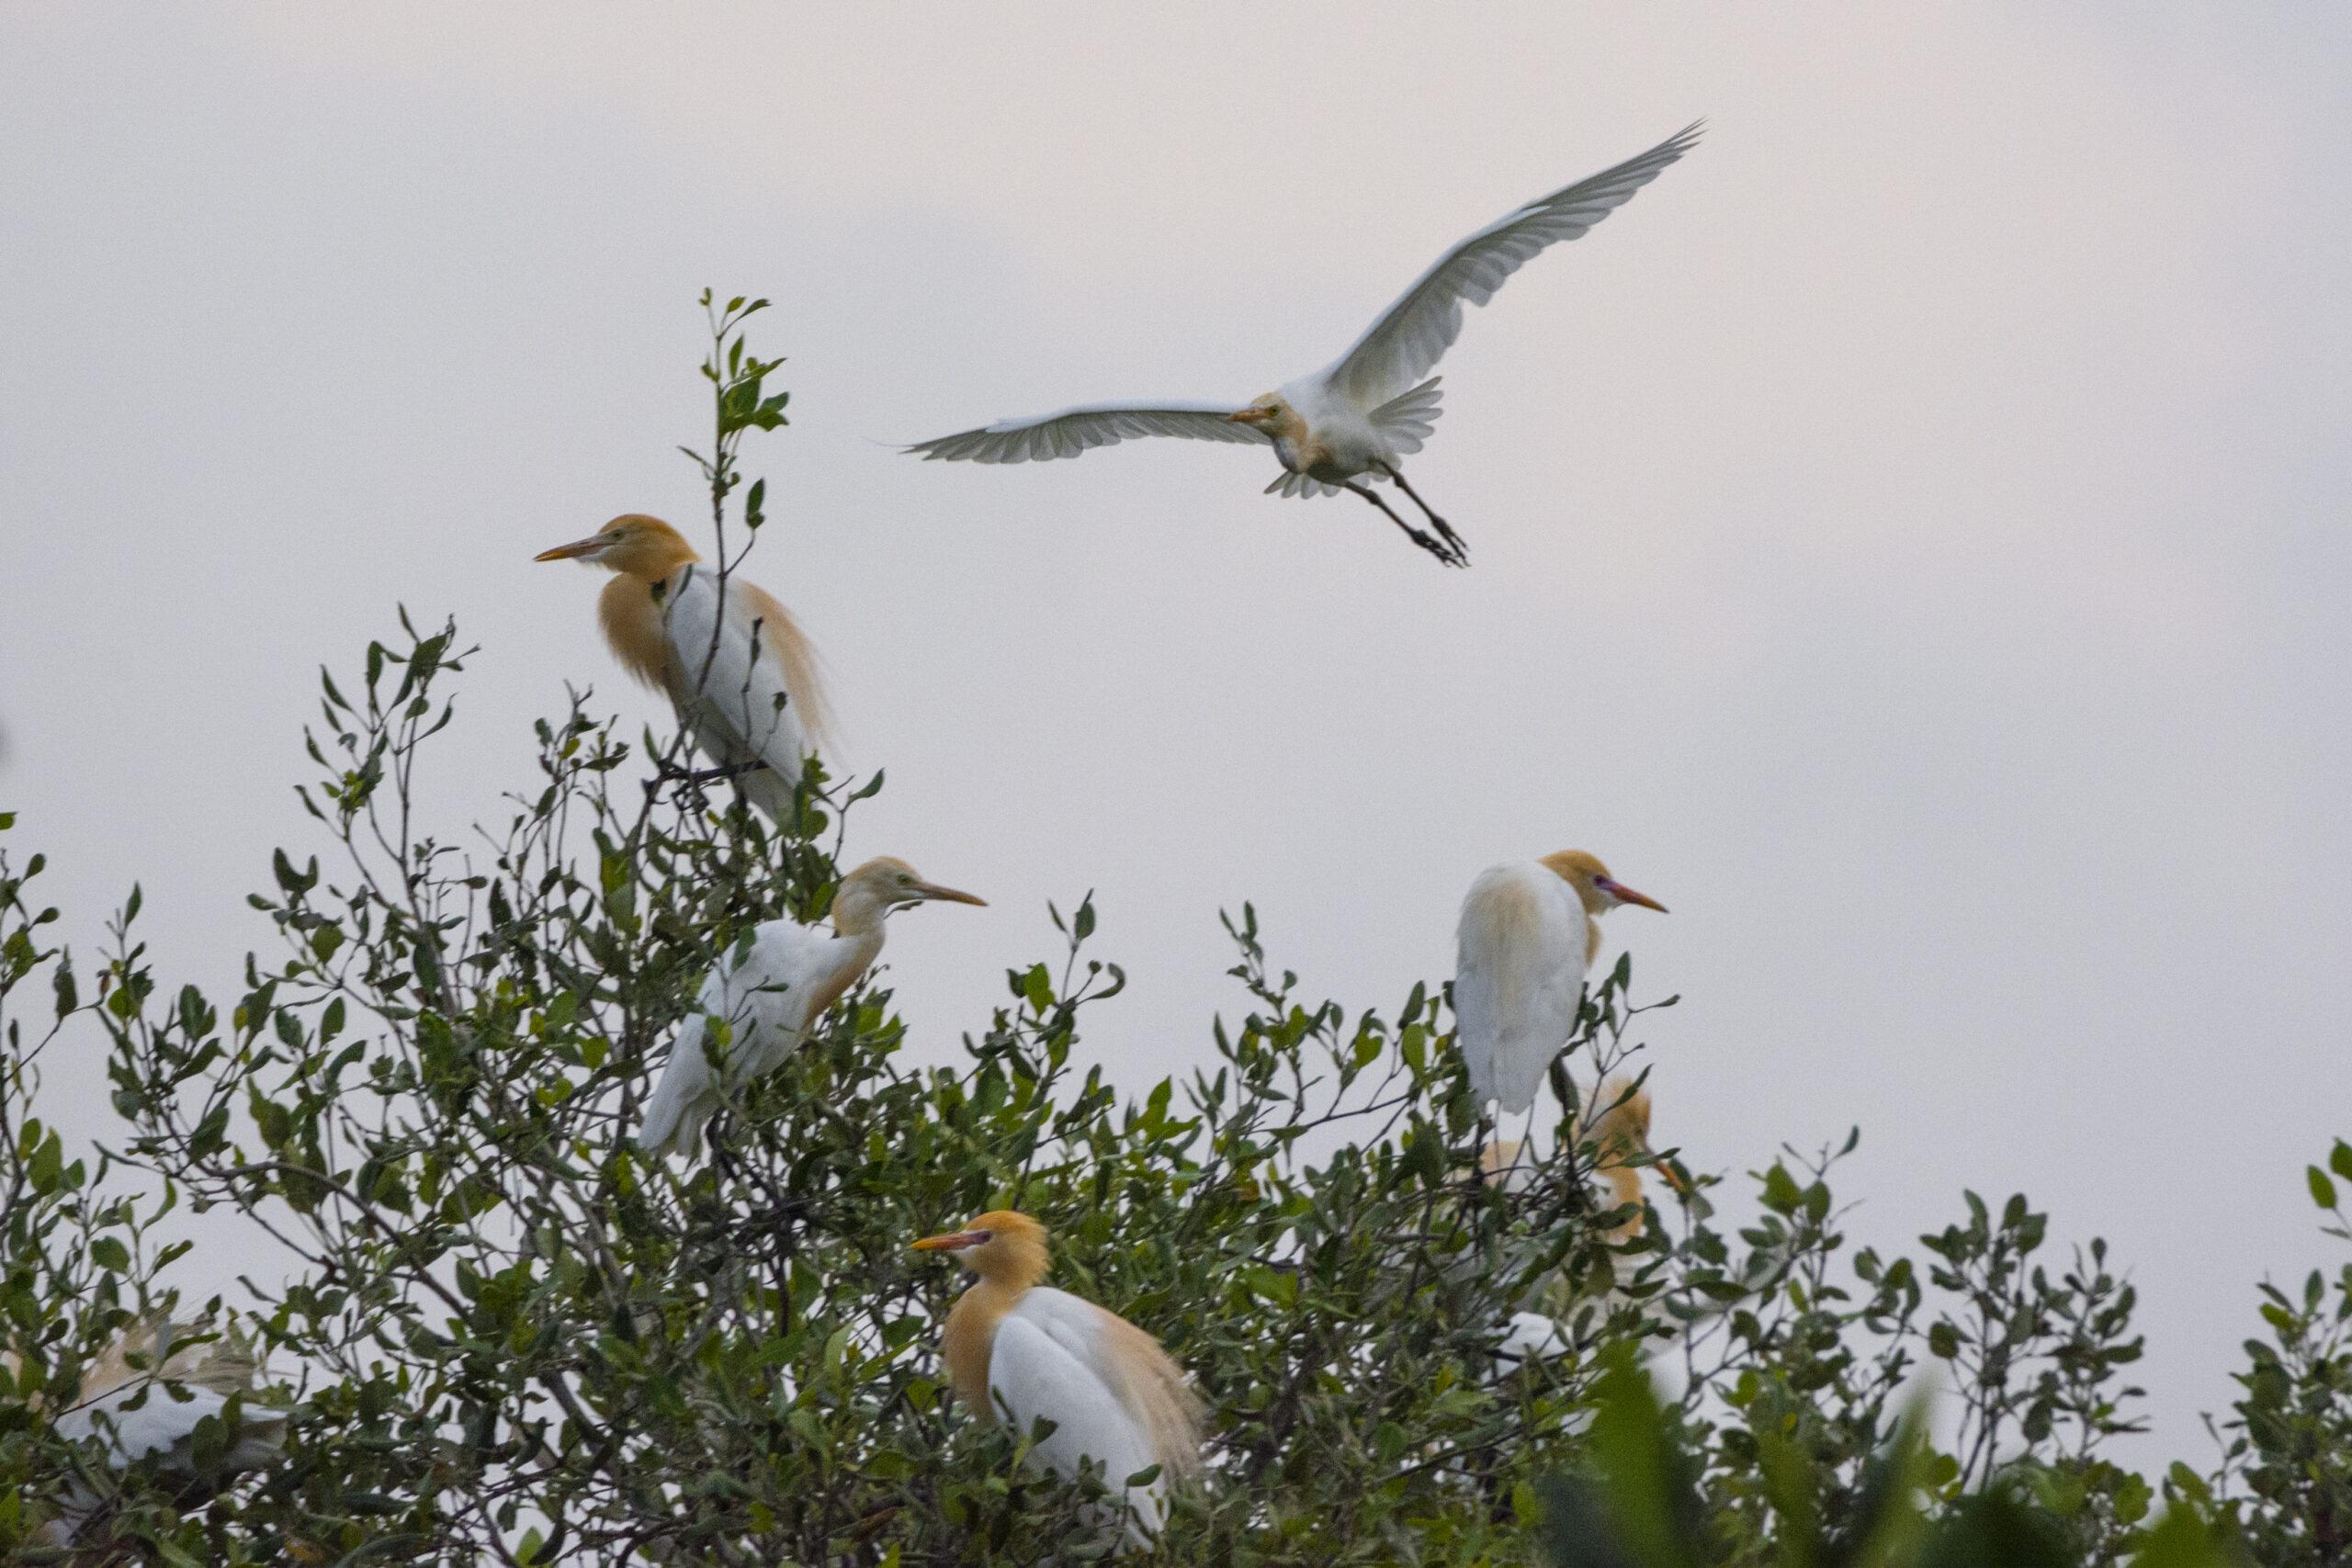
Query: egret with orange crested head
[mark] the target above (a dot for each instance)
(1359, 417)
(1115, 1398)
(772, 995)
(1527, 935)
(733, 661)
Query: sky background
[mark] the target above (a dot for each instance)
(1908, 537)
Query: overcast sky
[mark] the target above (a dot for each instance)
(1909, 536)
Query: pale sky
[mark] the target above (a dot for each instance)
(1908, 537)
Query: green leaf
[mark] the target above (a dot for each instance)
(2322, 1189)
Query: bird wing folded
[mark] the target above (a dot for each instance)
(1414, 332)
(743, 679)
(767, 1000)
(1043, 1363)
(1518, 980)
(1070, 432)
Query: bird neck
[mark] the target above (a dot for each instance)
(1624, 1188)
(859, 912)
(970, 1333)
(969, 1337)
(632, 621)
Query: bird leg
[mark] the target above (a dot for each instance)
(667, 772)
(1461, 550)
(1417, 536)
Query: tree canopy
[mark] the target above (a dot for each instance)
(491, 1330)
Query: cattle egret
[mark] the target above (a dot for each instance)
(1114, 1397)
(1527, 936)
(732, 659)
(772, 995)
(149, 1415)
(1361, 417)
(1617, 1123)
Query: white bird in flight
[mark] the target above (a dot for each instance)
(774, 994)
(1114, 1397)
(1359, 417)
(1527, 936)
(732, 661)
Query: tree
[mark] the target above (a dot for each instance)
(506, 1335)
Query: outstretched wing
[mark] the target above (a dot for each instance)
(1414, 332)
(1072, 431)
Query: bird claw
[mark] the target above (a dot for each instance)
(1449, 554)
(1460, 546)
(1431, 545)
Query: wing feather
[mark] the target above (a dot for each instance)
(732, 675)
(790, 975)
(1412, 334)
(1518, 980)
(1042, 1363)
(1069, 433)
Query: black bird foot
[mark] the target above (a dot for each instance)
(1445, 555)
(1460, 546)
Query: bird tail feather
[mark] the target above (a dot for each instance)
(1300, 485)
(1410, 417)
(673, 1122)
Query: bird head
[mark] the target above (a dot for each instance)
(1597, 890)
(1268, 413)
(632, 544)
(884, 884)
(998, 1244)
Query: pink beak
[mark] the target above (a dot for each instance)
(1624, 895)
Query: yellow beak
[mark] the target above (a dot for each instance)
(571, 551)
(1247, 416)
(1624, 895)
(953, 1241)
(933, 893)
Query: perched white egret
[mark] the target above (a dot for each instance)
(1527, 936)
(774, 994)
(149, 1415)
(1362, 415)
(732, 661)
(1114, 1397)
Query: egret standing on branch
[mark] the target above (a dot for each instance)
(732, 661)
(1527, 937)
(153, 1413)
(1114, 1395)
(774, 994)
(1360, 417)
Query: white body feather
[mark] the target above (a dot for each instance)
(163, 1424)
(731, 689)
(783, 983)
(1518, 979)
(1054, 1356)
(170, 1404)
(1376, 403)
